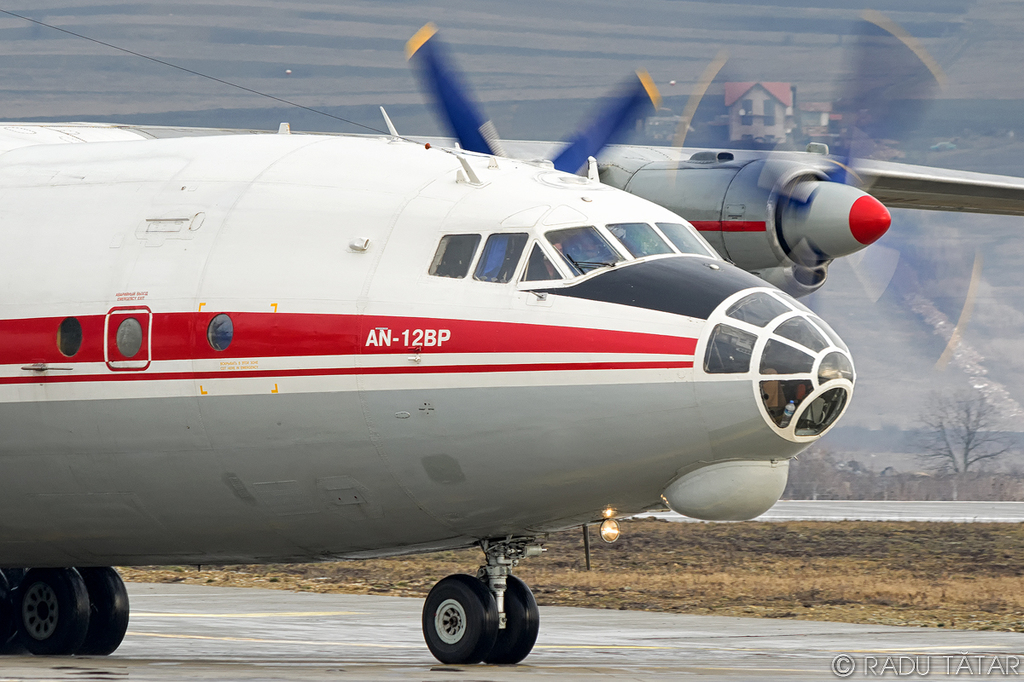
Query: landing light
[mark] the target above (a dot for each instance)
(610, 530)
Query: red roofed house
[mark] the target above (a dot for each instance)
(759, 112)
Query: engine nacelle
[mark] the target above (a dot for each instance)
(779, 217)
(728, 491)
(795, 280)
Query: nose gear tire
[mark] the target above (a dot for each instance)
(53, 611)
(460, 620)
(108, 611)
(522, 623)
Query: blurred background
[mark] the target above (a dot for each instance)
(539, 67)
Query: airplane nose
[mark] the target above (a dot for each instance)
(800, 371)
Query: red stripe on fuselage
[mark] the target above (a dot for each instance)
(182, 336)
(729, 225)
(341, 371)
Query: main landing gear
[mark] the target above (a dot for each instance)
(62, 611)
(492, 617)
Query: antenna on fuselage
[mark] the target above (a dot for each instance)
(390, 125)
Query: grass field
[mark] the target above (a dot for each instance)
(966, 576)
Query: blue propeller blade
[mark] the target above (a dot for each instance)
(610, 123)
(452, 97)
(465, 121)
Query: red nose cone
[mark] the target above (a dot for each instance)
(868, 219)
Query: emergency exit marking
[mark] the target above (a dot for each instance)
(201, 391)
(274, 306)
(275, 389)
(201, 307)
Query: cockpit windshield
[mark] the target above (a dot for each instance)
(640, 239)
(583, 248)
(685, 239)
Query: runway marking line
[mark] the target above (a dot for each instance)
(285, 614)
(162, 635)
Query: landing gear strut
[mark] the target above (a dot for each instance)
(491, 618)
(63, 611)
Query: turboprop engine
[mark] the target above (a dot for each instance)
(782, 217)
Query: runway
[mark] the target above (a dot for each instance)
(208, 633)
(877, 510)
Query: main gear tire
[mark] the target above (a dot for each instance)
(460, 620)
(52, 611)
(108, 611)
(522, 623)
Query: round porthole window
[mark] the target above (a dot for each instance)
(69, 336)
(129, 337)
(220, 332)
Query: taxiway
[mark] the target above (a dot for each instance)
(187, 632)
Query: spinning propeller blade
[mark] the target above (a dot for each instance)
(455, 104)
(609, 124)
(457, 108)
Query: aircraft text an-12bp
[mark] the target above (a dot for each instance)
(266, 348)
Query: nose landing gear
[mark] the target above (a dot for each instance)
(491, 618)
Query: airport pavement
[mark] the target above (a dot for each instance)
(188, 632)
(876, 510)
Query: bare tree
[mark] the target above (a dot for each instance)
(960, 432)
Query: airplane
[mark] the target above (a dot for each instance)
(245, 348)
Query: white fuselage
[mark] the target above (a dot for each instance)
(363, 406)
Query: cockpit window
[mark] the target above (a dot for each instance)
(781, 358)
(782, 398)
(729, 351)
(803, 332)
(835, 366)
(640, 239)
(539, 268)
(454, 255)
(500, 257)
(684, 238)
(830, 333)
(583, 248)
(757, 309)
(822, 412)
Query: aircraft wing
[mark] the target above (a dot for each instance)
(900, 185)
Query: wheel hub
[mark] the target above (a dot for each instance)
(450, 621)
(39, 611)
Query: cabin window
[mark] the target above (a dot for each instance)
(454, 255)
(640, 239)
(583, 248)
(500, 257)
(539, 267)
(685, 239)
(729, 351)
(220, 332)
(129, 337)
(69, 336)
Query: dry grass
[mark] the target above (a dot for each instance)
(936, 574)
